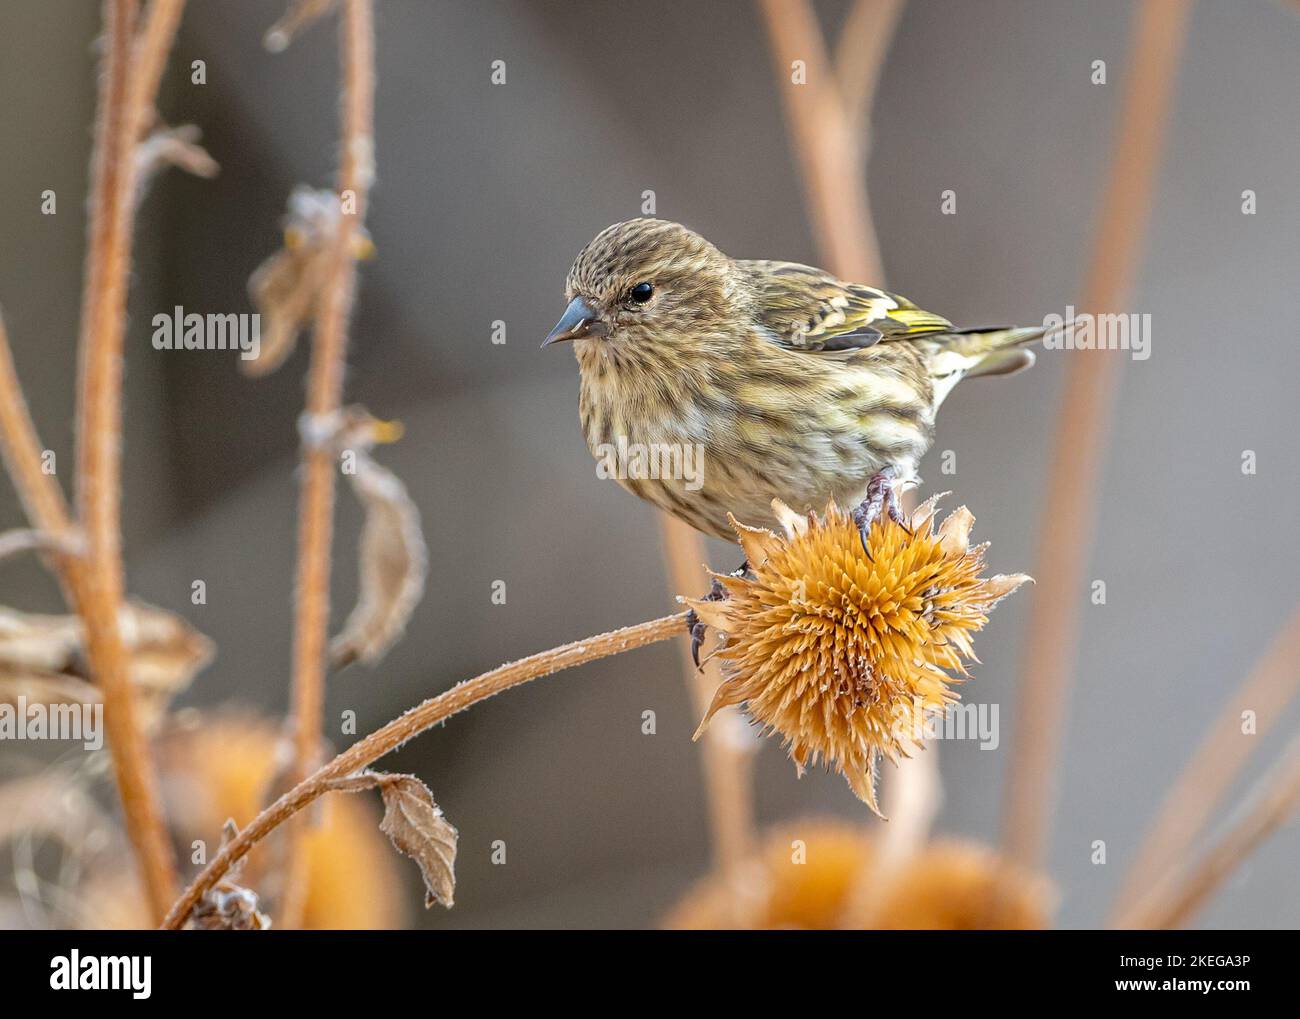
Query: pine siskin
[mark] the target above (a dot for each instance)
(792, 384)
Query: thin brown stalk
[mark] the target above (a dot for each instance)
(836, 103)
(829, 120)
(828, 146)
(727, 762)
(912, 798)
(129, 82)
(1082, 433)
(1176, 899)
(415, 721)
(860, 57)
(1223, 752)
(148, 61)
(42, 498)
(833, 184)
(324, 398)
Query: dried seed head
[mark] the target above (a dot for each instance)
(842, 649)
(228, 907)
(806, 876)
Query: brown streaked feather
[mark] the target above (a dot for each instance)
(804, 308)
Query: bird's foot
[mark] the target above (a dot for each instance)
(881, 497)
(695, 626)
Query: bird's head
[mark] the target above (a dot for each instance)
(647, 281)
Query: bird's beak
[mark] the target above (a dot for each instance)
(578, 321)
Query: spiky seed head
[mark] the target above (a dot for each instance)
(846, 650)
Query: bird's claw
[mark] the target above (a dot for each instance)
(881, 497)
(695, 626)
(697, 629)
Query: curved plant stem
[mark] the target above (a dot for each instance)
(420, 718)
(324, 397)
(1217, 762)
(1068, 514)
(42, 498)
(129, 83)
(1173, 901)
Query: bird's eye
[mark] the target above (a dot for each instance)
(641, 293)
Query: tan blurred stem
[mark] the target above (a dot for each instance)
(727, 760)
(417, 720)
(913, 794)
(860, 57)
(830, 137)
(830, 131)
(324, 397)
(1066, 531)
(132, 71)
(42, 498)
(827, 122)
(1215, 765)
(1175, 899)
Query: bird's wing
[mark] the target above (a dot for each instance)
(803, 308)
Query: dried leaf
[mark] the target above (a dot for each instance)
(415, 825)
(166, 652)
(42, 657)
(285, 288)
(393, 557)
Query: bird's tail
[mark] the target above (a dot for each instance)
(975, 352)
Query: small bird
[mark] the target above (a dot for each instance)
(794, 384)
(788, 382)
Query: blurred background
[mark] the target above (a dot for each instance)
(484, 195)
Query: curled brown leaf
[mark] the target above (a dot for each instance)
(42, 657)
(286, 287)
(392, 553)
(416, 826)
